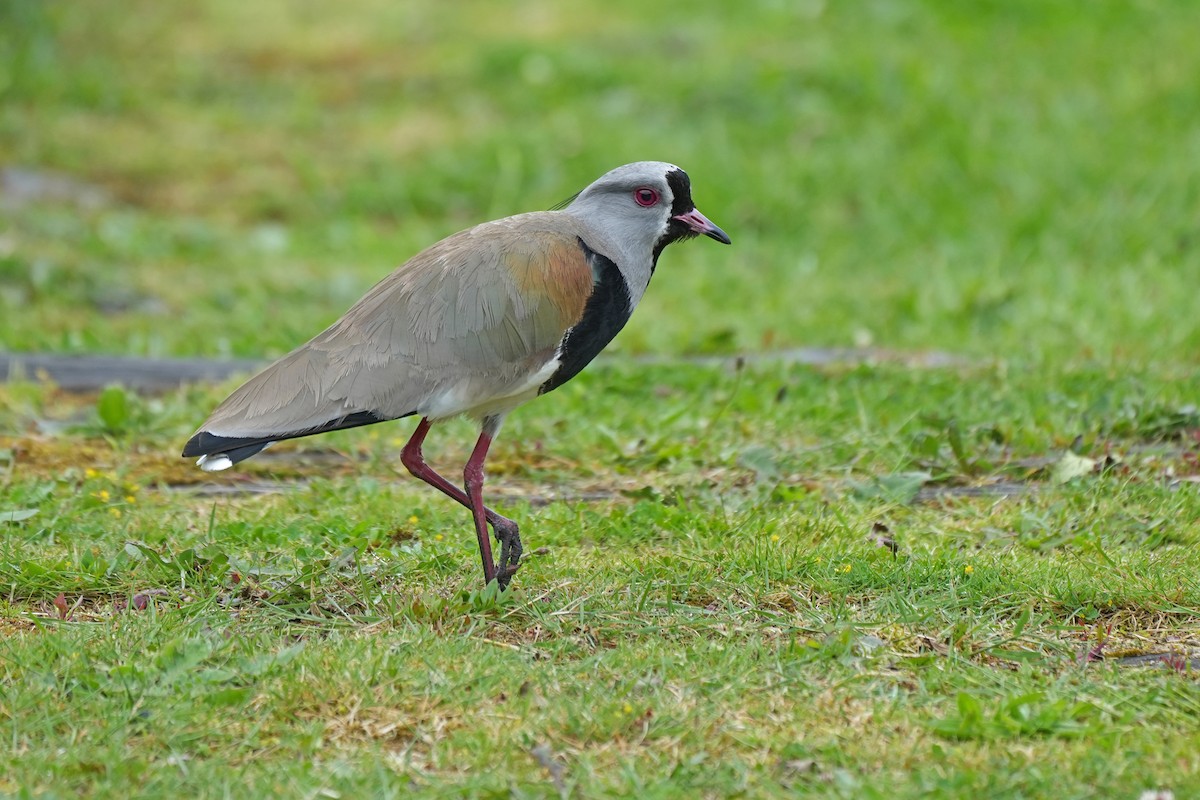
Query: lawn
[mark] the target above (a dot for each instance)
(897, 497)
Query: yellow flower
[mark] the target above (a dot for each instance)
(90, 473)
(438, 537)
(116, 513)
(628, 709)
(774, 537)
(968, 569)
(101, 495)
(130, 499)
(413, 520)
(845, 568)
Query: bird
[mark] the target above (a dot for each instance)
(474, 325)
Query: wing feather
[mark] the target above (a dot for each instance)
(483, 309)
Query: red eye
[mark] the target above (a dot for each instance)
(645, 196)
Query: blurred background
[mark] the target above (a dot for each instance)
(1011, 178)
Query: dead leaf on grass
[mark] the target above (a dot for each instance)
(1072, 466)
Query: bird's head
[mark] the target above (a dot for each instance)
(648, 203)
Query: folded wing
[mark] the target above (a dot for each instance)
(475, 316)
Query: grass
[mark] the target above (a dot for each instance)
(851, 580)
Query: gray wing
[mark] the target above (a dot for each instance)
(483, 309)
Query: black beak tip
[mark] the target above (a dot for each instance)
(718, 234)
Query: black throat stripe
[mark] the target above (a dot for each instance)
(605, 313)
(681, 191)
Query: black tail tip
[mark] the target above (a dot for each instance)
(234, 448)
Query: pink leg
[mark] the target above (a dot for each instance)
(506, 530)
(473, 477)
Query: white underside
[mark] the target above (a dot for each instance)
(464, 397)
(214, 462)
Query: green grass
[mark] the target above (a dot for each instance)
(771, 580)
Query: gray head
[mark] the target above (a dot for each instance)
(644, 206)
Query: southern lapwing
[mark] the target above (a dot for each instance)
(477, 324)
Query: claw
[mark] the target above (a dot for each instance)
(510, 555)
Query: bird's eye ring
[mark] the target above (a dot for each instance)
(645, 196)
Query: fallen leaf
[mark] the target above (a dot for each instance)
(929, 644)
(142, 599)
(17, 514)
(763, 461)
(1072, 466)
(798, 766)
(899, 487)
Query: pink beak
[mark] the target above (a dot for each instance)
(702, 224)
